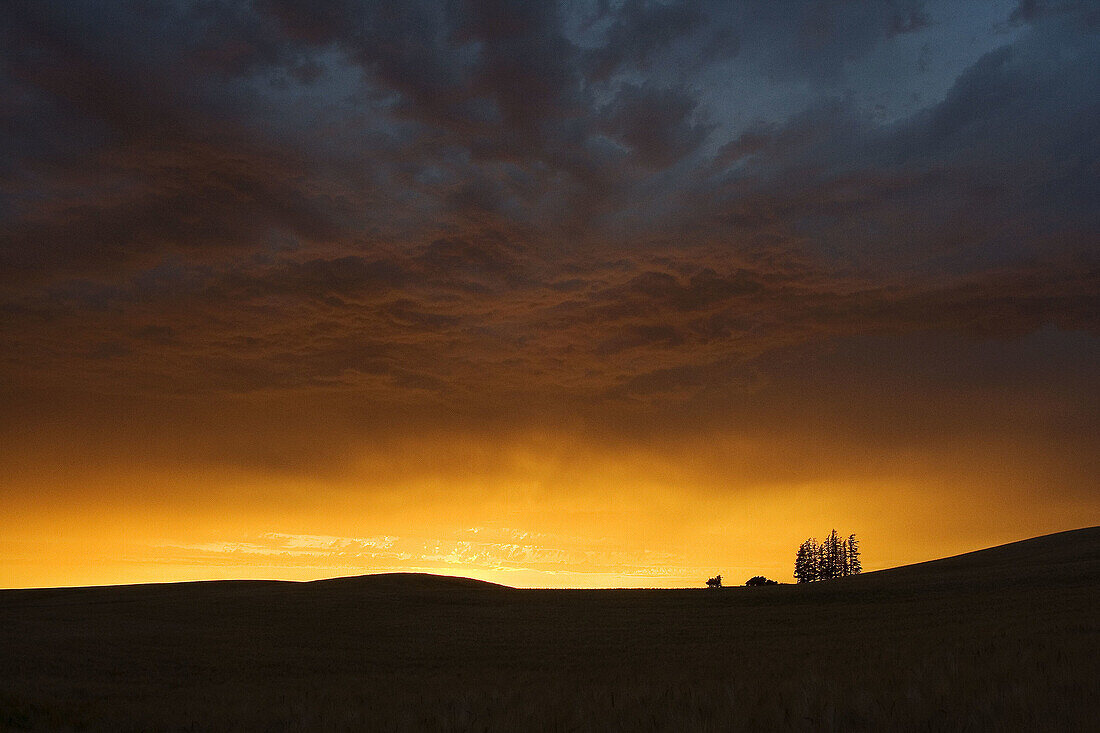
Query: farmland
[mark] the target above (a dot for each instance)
(1002, 638)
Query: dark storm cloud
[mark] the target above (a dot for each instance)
(606, 198)
(816, 39)
(150, 200)
(909, 21)
(657, 124)
(639, 30)
(999, 170)
(408, 48)
(1033, 10)
(154, 170)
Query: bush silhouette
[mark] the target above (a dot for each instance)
(760, 580)
(715, 582)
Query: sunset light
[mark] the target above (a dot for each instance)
(549, 365)
(554, 295)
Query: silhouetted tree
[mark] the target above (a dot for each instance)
(805, 562)
(855, 567)
(820, 560)
(832, 558)
(715, 582)
(833, 566)
(760, 580)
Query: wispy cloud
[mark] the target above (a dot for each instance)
(474, 549)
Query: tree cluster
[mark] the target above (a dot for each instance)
(833, 558)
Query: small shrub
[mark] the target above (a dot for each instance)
(760, 580)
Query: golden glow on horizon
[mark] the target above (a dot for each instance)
(279, 293)
(540, 512)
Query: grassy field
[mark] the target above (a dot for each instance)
(1001, 639)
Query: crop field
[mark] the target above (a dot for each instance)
(1001, 639)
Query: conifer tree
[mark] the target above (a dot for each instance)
(854, 565)
(833, 558)
(805, 562)
(841, 560)
(831, 548)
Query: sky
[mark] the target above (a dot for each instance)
(583, 293)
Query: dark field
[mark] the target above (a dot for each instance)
(1002, 639)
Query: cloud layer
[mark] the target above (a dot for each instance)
(630, 222)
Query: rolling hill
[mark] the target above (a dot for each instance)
(1002, 638)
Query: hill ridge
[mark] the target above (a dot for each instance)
(1061, 553)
